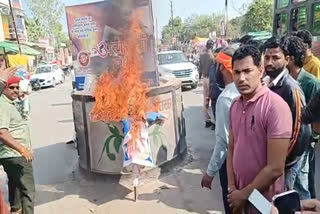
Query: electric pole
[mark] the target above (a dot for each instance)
(172, 27)
(14, 25)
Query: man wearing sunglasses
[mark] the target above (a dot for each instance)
(15, 151)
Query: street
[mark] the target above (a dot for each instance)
(63, 188)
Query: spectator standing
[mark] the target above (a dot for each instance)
(289, 89)
(206, 60)
(260, 131)
(218, 158)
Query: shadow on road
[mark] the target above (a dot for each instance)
(182, 191)
(57, 175)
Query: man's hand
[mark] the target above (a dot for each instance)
(5, 74)
(27, 154)
(310, 205)
(231, 189)
(206, 181)
(237, 200)
(274, 210)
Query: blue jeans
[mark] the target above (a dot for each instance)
(297, 177)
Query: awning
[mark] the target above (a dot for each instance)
(13, 47)
(261, 35)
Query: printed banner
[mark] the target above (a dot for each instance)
(97, 31)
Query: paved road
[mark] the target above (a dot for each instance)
(62, 188)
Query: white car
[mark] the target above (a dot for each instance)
(175, 64)
(48, 75)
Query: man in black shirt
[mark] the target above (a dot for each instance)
(284, 85)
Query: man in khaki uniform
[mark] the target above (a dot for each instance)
(15, 151)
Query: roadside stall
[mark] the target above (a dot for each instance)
(13, 58)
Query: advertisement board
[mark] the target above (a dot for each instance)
(97, 31)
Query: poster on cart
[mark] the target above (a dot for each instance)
(96, 31)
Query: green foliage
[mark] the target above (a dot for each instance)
(234, 27)
(177, 29)
(46, 15)
(195, 25)
(34, 29)
(258, 17)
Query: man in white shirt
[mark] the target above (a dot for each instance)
(218, 159)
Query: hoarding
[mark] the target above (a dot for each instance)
(97, 30)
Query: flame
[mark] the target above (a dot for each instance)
(122, 95)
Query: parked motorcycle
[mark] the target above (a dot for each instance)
(35, 83)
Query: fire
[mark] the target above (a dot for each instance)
(121, 95)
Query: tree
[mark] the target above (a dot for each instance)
(177, 30)
(47, 15)
(34, 29)
(202, 25)
(258, 17)
(60, 36)
(194, 25)
(234, 27)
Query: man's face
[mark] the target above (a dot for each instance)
(12, 91)
(274, 62)
(247, 76)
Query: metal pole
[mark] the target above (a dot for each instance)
(226, 18)
(14, 25)
(172, 27)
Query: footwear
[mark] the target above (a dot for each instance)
(16, 212)
(213, 127)
(208, 124)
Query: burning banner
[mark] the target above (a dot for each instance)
(116, 45)
(114, 56)
(121, 96)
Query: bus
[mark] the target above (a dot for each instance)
(294, 15)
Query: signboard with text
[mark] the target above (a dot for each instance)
(97, 31)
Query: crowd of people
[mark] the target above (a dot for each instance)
(266, 101)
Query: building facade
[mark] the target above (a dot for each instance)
(6, 23)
